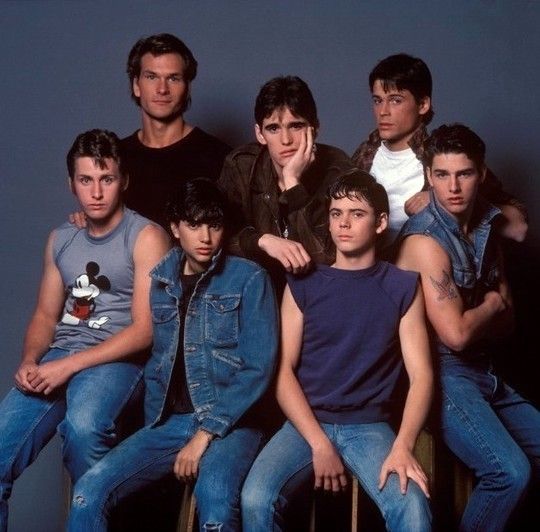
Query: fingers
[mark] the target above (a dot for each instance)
(185, 469)
(414, 473)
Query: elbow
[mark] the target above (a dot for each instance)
(456, 340)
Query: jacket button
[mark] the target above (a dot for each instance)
(266, 196)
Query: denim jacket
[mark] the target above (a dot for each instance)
(475, 260)
(230, 339)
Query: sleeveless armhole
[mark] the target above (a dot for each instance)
(296, 285)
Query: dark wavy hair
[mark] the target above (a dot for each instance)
(163, 43)
(99, 144)
(405, 72)
(286, 91)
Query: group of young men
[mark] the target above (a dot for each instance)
(312, 222)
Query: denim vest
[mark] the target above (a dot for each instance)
(475, 260)
(230, 339)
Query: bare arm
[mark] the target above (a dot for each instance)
(151, 245)
(40, 330)
(513, 224)
(416, 356)
(327, 465)
(456, 326)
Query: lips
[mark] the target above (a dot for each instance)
(287, 153)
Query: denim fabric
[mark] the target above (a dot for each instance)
(496, 433)
(285, 466)
(149, 455)
(230, 339)
(85, 413)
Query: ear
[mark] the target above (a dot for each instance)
(483, 173)
(259, 135)
(71, 185)
(126, 182)
(424, 106)
(429, 176)
(135, 87)
(174, 230)
(382, 223)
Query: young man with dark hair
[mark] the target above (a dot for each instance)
(215, 342)
(341, 331)
(277, 186)
(491, 428)
(90, 327)
(401, 87)
(166, 150)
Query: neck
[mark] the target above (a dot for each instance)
(98, 228)
(159, 134)
(357, 261)
(192, 267)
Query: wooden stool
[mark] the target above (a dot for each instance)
(186, 519)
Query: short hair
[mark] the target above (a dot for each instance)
(198, 200)
(162, 43)
(357, 184)
(405, 72)
(454, 138)
(99, 144)
(286, 91)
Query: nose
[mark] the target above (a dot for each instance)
(163, 86)
(384, 108)
(97, 191)
(454, 184)
(204, 233)
(286, 137)
(344, 221)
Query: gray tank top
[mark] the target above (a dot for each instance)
(97, 273)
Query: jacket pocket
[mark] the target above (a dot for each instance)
(221, 323)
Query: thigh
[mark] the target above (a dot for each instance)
(101, 392)
(143, 458)
(521, 419)
(284, 466)
(471, 427)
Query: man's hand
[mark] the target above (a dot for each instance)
(328, 468)
(186, 465)
(402, 462)
(25, 371)
(300, 161)
(49, 376)
(416, 202)
(78, 219)
(291, 254)
(495, 300)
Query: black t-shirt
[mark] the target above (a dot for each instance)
(178, 399)
(154, 173)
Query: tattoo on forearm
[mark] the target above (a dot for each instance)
(445, 287)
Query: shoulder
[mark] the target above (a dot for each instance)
(419, 223)
(245, 154)
(210, 142)
(398, 284)
(130, 142)
(243, 267)
(331, 154)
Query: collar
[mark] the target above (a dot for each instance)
(483, 214)
(167, 270)
(416, 142)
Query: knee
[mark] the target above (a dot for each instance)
(410, 511)
(256, 501)
(513, 476)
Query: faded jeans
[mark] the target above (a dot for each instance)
(84, 412)
(149, 455)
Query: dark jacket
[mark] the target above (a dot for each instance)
(250, 181)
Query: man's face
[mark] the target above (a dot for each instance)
(282, 132)
(99, 190)
(397, 114)
(354, 226)
(161, 86)
(200, 242)
(455, 181)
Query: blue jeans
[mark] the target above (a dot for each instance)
(84, 412)
(495, 432)
(285, 466)
(148, 456)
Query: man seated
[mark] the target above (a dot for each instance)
(277, 187)
(493, 430)
(341, 330)
(79, 366)
(401, 88)
(215, 341)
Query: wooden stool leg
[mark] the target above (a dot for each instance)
(463, 486)
(354, 503)
(186, 519)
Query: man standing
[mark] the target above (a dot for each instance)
(215, 342)
(166, 149)
(491, 428)
(277, 187)
(401, 88)
(341, 328)
(90, 326)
